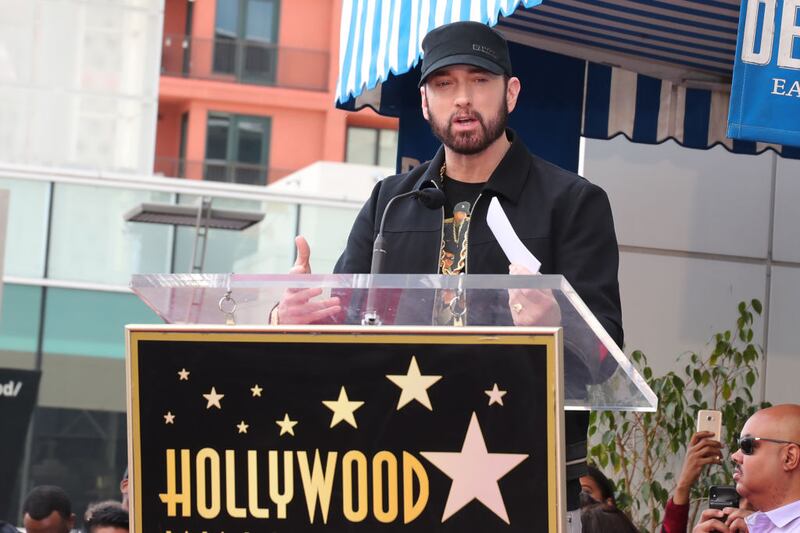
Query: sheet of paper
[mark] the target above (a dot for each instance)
(509, 241)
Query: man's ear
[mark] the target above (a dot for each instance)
(424, 96)
(791, 460)
(513, 87)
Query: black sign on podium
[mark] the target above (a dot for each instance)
(236, 426)
(345, 429)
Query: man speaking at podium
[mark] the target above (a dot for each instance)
(467, 91)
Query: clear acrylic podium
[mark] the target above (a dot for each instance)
(380, 417)
(597, 375)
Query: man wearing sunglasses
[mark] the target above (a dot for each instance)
(767, 473)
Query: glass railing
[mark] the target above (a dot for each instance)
(245, 61)
(218, 170)
(90, 242)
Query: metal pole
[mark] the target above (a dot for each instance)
(24, 485)
(768, 281)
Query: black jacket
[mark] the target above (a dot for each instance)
(564, 220)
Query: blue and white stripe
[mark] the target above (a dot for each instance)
(656, 69)
(380, 37)
(650, 110)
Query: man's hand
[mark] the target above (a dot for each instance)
(703, 450)
(711, 520)
(735, 521)
(532, 307)
(302, 265)
(715, 520)
(296, 306)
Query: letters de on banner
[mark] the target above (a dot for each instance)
(765, 94)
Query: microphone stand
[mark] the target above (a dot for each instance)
(430, 197)
(371, 317)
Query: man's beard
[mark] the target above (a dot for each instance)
(473, 142)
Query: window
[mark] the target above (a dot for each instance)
(237, 148)
(371, 146)
(245, 35)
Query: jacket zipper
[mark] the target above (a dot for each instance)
(441, 236)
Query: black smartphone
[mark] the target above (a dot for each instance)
(720, 497)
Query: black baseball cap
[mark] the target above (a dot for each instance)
(465, 43)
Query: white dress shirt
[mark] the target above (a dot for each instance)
(784, 519)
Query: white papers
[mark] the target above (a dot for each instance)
(509, 241)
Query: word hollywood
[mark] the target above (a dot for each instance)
(391, 479)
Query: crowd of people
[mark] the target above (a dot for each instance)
(766, 478)
(47, 509)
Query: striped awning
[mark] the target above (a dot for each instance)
(656, 69)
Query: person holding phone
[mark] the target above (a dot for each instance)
(704, 449)
(767, 474)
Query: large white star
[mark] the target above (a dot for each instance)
(414, 385)
(343, 409)
(475, 473)
(213, 399)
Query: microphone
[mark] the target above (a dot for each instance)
(431, 197)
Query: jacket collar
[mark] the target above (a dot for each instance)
(508, 178)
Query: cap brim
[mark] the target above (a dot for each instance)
(461, 59)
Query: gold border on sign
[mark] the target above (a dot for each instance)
(550, 338)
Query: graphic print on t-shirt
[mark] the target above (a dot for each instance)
(453, 255)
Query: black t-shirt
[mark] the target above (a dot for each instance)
(460, 197)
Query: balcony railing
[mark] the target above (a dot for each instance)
(218, 170)
(244, 61)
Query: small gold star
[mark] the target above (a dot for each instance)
(343, 409)
(413, 385)
(242, 427)
(213, 399)
(286, 425)
(169, 418)
(495, 395)
(256, 391)
(183, 375)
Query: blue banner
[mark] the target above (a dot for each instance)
(765, 95)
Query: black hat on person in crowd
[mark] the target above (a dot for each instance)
(465, 43)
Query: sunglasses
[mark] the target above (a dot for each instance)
(748, 444)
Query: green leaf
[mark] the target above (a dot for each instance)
(756, 305)
(750, 378)
(726, 391)
(648, 373)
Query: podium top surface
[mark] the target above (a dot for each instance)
(597, 374)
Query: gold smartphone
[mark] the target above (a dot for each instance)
(710, 420)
